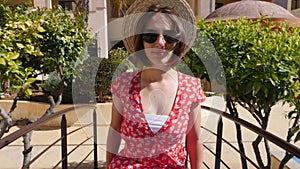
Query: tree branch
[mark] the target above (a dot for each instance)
(27, 150)
(52, 102)
(255, 143)
(288, 156)
(5, 122)
(232, 109)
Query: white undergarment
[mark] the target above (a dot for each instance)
(156, 121)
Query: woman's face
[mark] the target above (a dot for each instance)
(159, 47)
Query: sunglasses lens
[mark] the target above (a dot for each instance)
(170, 39)
(150, 37)
(171, 36)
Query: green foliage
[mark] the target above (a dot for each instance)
(39, 41)
(98, 73)
(116, 63)
(261, 61)
(294, 99)
(53, 84)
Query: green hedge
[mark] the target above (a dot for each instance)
(261, 61)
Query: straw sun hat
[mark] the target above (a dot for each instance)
(180, 7)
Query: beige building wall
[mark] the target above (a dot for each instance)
(43, 3)
(202, 8)
(97, 23)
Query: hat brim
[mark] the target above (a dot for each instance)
(180, 8)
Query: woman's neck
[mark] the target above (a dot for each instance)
(150, 75)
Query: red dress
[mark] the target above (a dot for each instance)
(143, 148)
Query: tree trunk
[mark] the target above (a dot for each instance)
(5, 122)
(233, 111)
(27, 150)
(255, 144)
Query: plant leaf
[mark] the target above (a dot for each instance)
(12, 55)
(2, 61)
(20, 45)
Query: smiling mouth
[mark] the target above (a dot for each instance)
(159, 53)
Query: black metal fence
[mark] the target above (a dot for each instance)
(63, 139)
(284, 145)
(219, 162)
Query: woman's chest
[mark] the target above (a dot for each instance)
(158, 99)
(135, 123)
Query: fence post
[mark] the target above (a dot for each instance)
(219, 144)
(64, 148)
(95, 139)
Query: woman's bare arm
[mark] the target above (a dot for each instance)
(193, 139)
(114, 137)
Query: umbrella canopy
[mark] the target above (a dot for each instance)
(251, 10)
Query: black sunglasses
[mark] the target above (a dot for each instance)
(152, 37)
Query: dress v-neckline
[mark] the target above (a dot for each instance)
(172, 108)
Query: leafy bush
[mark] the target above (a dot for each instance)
(52, 86)
(94, 76)
(39, 41)
(116, 63)
(261, 61)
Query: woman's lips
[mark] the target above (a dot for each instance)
(159, 53)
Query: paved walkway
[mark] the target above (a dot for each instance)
(11, 156)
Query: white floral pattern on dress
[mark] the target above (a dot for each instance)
(143, 148)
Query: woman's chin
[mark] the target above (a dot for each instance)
(161, 66)
(159, 59)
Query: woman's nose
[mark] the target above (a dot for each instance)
(160, 41)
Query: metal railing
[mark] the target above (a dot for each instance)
(64, 135)
(292, 149)
(288, 147)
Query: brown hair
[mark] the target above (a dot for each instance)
(179, 50)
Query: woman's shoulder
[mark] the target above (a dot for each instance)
(125, 77)
(193, 84)
(188, 78)
(122, 81)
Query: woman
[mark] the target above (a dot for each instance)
(155, 108)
